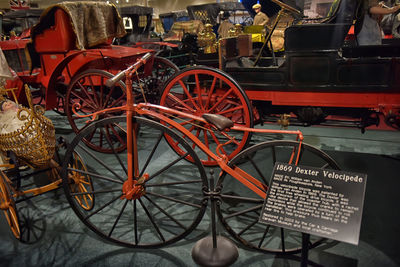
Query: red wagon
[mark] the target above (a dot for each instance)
(69, 54)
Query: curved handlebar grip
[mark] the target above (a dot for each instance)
(110, 82)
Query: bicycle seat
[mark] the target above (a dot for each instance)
(218, 121)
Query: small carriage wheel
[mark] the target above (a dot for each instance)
(199, 90)
(89, 91)
(167, 201)
(7, 204)
(240, 208)
(80, 183)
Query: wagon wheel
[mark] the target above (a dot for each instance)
(165, 208)
(32, 224)
(240, 208)
(152, 84)
(200, 90)
(89, 91)
(59, 109)
(7, 204)
(80, 183)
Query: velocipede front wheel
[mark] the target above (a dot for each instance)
(166, 202)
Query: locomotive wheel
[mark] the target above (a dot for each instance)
(89, 91)
(80, 183)
(7, 204)
(200, 90)
(240, 208)
(167, 200)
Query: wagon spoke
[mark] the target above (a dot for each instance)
(84, 101)
(210, 93)
(221, 99)
(93, 91)
(188, 94)
(179, 101)
(230, 110)
(198, 89)
(86, 92)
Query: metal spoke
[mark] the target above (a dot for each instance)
(101, 162)
(264, 235)
(244, 211)
(166, 213)
(174, 200)
(102, 207)
(116, 154)
(118, 217)
(244, 199)
(95, 192)
(248, 226)
(173, 183)
(151, 220)
(168, 166)
(96, 175)
(151, 154)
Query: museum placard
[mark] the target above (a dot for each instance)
(322, 202)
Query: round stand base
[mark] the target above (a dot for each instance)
(224, 254)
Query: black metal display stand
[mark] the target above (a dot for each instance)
(214, 250)
(305, 240)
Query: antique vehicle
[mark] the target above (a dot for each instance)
(30, 152)
(320, 77)
(137, 23)
(68, 56)
(19, 22)
(156, 191)
(168, 19)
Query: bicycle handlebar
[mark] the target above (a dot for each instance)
(117, 77)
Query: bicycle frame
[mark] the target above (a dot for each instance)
(161, 113)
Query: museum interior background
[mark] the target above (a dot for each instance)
(364, 147)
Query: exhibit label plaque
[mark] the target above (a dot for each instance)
(322, 202)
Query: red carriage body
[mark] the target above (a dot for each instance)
(52, 56)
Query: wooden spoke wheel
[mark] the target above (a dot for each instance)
(80, 183)
(166, 201)
(88, 90)
(201, 90)
(7, 204)
(240, 208)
